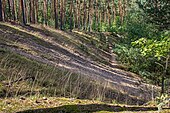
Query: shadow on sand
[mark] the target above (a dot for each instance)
(89, 108)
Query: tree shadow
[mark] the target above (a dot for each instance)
(89, 108)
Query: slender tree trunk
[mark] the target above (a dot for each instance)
(85, 13)
(23, 12)
(13, 10)
(45, 12)
(9, 9)
(109, 14)
(61, 14)
(52, 9)
(26, 11)
(33, 11)
(78, 13)
(90, 19)
(30, 11)
(96, 13)
(56, 13)
(36, 11)
(64, 13)
(114, 11)
(71, 15)
(3, 9)
(1, 18)
(120, 11)
(100, 17)
(164, 75)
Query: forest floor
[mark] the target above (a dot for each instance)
(79, 52)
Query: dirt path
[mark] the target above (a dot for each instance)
(34, 43)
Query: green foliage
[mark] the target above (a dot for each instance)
(157, 12)
(153, 47)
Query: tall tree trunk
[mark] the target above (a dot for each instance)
(90, 18)
(114, 11)
(26, 11)
(36, 11)
(9, 9)
(85, 13)
(1, 18)
(78, 14)
(109, 14)
(3, 10)
(120, 11)
(56, 13)
(14, 10)
(33, 11)
(64, 13)
(105, 12)
(23, 12)
(45, 12)
(71, 15)
(61, 14)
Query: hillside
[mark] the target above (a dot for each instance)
(78, 59)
